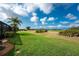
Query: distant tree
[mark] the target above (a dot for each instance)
(28, 28)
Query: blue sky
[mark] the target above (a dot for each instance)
(47, 15)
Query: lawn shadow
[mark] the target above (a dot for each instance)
(16, 39)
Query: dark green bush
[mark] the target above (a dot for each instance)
(9, 34)
(41, 30)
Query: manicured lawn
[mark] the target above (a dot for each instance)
(29, 44)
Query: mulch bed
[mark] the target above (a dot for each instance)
(8, 48)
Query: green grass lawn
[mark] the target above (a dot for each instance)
(29, 44)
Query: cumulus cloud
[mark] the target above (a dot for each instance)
(76, 25)
(34, 18)
(30, 7)
(77, 21)
(73, 25)
(46, 8)
(43, 20)
(60, 26)
(52, 27)
(51, 18)
(19, 10)
(14, 9)
(10, 10)
(3, 16)
(6, 6)
(34, 14)
(70, 16)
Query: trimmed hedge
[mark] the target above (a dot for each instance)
(41, 30)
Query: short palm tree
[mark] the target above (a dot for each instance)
(14, 22)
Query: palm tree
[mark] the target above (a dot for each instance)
(14, 22)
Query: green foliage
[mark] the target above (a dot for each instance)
(41, 30)
(9, 34)
(14, 22)
(28, 28)
(70, 32)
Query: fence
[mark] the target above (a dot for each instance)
(3, 29)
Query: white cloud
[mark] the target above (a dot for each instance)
(19, 10)
(11, 10)
(73, 25)
(62, 26)
(15, 9)
(70, 16)
(52, 27)
(64, 22)
(43, 20)
(3, 16)
(46, 8)
(34, 18)
(34, 14)
(31, 7)
(77, 21)
(40, 26)
(59, 25)
(76, 25)
(51, 18)
(6, 6)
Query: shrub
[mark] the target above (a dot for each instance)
(28, 28)
(9, 34)
(70, 32)
(41, 30)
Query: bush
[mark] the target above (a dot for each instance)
(9, 34)
(41, 30)
(70, 32)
